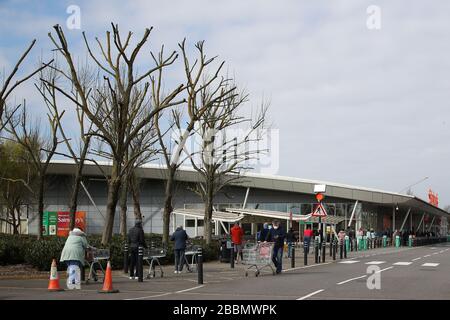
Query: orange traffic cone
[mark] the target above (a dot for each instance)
(107, 284)
(53, 285)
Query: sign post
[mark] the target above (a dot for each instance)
(320, 212)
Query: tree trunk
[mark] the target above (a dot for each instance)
(123, 207)
(76, 186)
(136, 191)
(41, 206)
(208, 217)
(168, 203)
(14, 222)
(113, 197)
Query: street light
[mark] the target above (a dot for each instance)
(412, 185)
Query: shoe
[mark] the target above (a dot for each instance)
(131, 278)
(175, 271)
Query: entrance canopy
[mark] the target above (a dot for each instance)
(216, 215)
(285, 216)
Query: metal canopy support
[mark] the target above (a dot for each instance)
(420, 223)
(246, 197)
(431, 224)
(353, 214)
(90, 198)
(196, 227)
(404, 220)
(393, 218)
(226, 230)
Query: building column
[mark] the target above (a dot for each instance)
(393, 218)
(196, 227)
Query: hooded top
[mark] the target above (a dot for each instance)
(75, 246)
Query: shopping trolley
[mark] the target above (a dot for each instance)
(152, 257)
(94, 257)
(192, 251)
(258, 256)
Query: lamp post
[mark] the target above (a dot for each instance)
(412, 185)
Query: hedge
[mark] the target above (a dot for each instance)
(18, 249)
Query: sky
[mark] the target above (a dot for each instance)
(352, 104)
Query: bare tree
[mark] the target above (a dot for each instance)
(8, 87)
(40, 147)
(226, 151)
(447, 208)
(172, 144)
(120, 102)
(47, 89)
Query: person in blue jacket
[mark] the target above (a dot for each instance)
(180, 237)
(277, 235)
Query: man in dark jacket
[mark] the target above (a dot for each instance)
(277, 235)
(180, 237)
(135, 239)
(263, 235)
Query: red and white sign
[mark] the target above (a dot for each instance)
(433, 198)
(320, 211)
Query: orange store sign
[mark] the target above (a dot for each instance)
(433, 198)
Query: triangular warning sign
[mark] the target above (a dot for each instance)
(320, 211)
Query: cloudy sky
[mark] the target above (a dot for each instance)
(360, 106)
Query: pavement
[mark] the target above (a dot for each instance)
(404, 273)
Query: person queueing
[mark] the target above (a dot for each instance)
(135, 240)
(73, 254)
(263, 235)
(290, 240)
(277, 235)
(180, 237)
(307, 235)
(237, 234)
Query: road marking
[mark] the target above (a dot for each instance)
(376, 262)
(349, 261)
(305, 267)
(430, 264)
(427, 256)
(154, 296)
(345, 281)
(436, 253)
(310, 295)
(190, 289)
(384, 269)
(402, 263)
(416, 259)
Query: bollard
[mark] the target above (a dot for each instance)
(293, 257)
(83, 273)
(347, 243)
(140, 264)
(334, 248)
(345, 252)
(232, 256)
(331, 246)
(125, 258)
(341, 249)
(200, 265)
(316, 250)
(305, 253)
(410, 241)
(324, 248)
(397, 241)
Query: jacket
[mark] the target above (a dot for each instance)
(264, 235)
(277, 236)
(237, 233)
(290, 236)
(179, 236)
(136, 238)
(75, 246)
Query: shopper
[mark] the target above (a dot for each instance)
(135, 240)
(307, 235)
(180, 237)
(277, 235)
(73, 254)
(237, 235)
(290, 239)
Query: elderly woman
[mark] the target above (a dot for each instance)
(73, 255)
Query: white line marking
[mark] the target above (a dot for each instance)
(376, 262)
(416, 259)
(427, 256)
(342, 282)
(430, 264)
(154, 296)
(402, 263)
(384, 269)
(310, 295)
(349, 261)
(305, 267)
(185, 290)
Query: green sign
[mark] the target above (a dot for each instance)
(52, 223)
(45, 224)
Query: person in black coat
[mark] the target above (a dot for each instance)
(135, 239)
(180, 237)
(277, 235)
